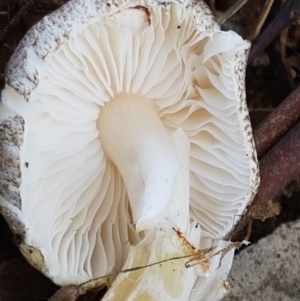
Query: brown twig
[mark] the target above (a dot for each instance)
(278, 168)
(231, 11)
(276, 124)
(15, 21)
(289, 12)
(280, 165)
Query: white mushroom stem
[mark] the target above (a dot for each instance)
(154, 165)
(136, 141)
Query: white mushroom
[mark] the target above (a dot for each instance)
(121, 120)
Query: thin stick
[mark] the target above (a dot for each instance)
(231, 11)
(289, 12)
(161, 261)
(249, 230)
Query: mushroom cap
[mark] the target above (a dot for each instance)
(59, 191)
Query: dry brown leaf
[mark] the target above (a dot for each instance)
(67, 293)
(264, 210)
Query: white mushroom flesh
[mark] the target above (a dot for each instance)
(169, 268)
(136, 141)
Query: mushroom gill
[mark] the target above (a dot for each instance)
(148, 74)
